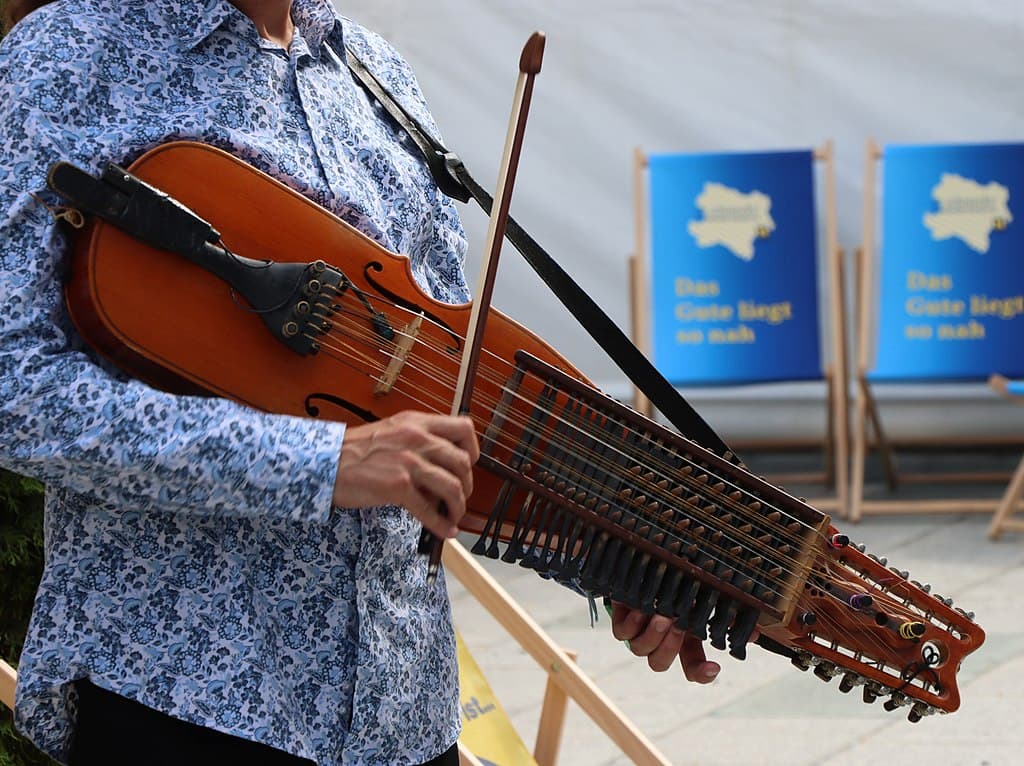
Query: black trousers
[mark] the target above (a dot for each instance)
(116, 731)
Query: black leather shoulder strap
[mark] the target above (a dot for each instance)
(454, 179)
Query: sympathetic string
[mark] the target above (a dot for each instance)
(685, 488)
(697, 484)
(700, 482)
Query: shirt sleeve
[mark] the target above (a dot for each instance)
(67, 418)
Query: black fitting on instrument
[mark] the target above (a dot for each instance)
(775, 647)
(134, 207)
(293, 299)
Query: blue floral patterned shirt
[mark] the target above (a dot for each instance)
(193, 561)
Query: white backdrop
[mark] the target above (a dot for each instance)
(689, 75)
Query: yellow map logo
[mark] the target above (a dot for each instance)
(968, 210)
(732, 218)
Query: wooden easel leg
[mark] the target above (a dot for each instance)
(561, 670)
(1009, 502)
(8, 680)
(860, 450)
(840, 385)
(882, 443)
(552, 722)
(830, 430)
(466, 758)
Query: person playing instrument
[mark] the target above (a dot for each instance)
(221, 584)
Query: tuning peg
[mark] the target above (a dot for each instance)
(912, 630)
(919, 711)
(903, 574)
(826, 671)
(802, 660)
(861, 547)
(898, 699)
(968, 615)
(860, 601)
(850, 680)
(872, 691)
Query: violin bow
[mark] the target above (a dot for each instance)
(529, 66)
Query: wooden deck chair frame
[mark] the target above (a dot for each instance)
(550, 726)
(1009, 503)
(8, 680)
(836, 439)
(565, 679)
(868, 431)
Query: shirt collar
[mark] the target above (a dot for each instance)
(315, 20)
(192, 22)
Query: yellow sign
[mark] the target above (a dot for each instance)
(486, 730)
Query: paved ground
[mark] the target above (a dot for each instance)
(764, 711)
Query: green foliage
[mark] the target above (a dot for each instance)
(21, 564)
(15, 750)
(21, 556)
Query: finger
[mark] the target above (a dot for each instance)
(459, 431)
(425, 500)
(453, 459)
(433, 517)
(651, 637)
(444, 441)
(664, 655)
(442, 492)
(696, 666)
(627, 623)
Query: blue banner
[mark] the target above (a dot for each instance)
(734, 284)
(951, 265)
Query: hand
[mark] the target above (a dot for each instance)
(413, 459)
(656, 638)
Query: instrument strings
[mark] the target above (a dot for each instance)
(354, 329)
(353, 343)
(698, 485)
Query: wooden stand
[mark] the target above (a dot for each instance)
(466, 758)
(868, 433)
(8, 680)
(550, 727)
(836, 439)
(552, 721)
(563, 673)
(1002, 520)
